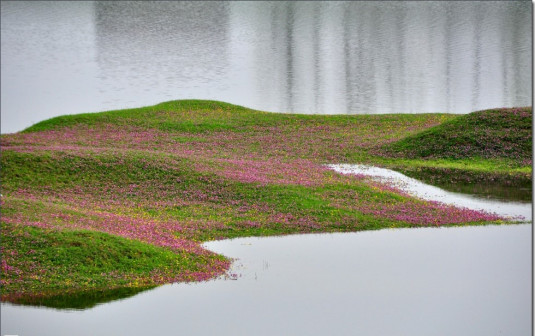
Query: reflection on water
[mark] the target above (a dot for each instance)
(81, 300)
(501, 188)
(306, 57)
(432, 281)
(521, 193)
(512, 209)
(169, 47)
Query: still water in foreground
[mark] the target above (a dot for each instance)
(429, 281)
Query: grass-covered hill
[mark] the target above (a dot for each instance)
(490, 134)
(118, 201)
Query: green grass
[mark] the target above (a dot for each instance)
(68, 267)
(98, 206)
(489, 134)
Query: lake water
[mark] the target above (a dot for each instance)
(430, 281)
(306, 57)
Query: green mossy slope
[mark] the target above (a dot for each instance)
(491, 134)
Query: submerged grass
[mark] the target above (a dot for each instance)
(120, 201)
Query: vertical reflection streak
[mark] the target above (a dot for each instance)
(349, 94)
(401, 89)
(448, 43)
(290, 22)
(316, 46)
(476, 72)
(505, 45)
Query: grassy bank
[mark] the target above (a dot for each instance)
(123, 199)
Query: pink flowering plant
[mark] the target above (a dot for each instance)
(123, 199)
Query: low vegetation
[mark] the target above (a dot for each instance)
(497, 134)
(121, 201)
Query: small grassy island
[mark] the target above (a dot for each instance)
(103, 205)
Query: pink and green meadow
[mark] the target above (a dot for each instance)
(122, 200)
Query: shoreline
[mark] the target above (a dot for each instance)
(87, 197)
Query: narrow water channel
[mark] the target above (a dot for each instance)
(519, 210)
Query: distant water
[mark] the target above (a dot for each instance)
(306, 57)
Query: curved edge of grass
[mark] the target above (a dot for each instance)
(486, 134)
(199, 116)
(78, 269)
(65, 297)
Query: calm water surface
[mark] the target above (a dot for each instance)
(431, 281)
(306, 57)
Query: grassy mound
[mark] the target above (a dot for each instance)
(491, 134)
(106, 204)
(65, 268)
